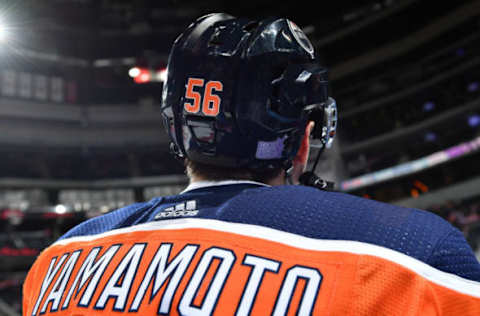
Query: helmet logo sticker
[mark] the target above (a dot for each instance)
(211, 102)
(301, 38)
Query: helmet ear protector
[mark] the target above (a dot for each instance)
(306, 85)
(325, 117)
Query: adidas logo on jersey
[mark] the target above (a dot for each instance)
(188, 208)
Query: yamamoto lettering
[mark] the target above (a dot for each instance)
(123, 278)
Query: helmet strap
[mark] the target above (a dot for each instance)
(309, 178)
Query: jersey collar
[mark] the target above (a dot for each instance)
(206, 184)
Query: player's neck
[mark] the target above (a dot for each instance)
(279, 180)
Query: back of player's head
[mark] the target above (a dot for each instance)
(239, 93)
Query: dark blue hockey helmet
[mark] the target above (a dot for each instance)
(239, 93)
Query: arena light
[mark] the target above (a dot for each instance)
(134, 72)
(140, 75)
(3, 34)
(430, 137)
(473, 86)
(4, 31)
(144, 76)
(474, 120)
(428, 106)
(60, 209)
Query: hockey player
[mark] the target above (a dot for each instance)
(238, 104)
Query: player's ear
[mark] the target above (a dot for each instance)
(301, 159)
(302, 154)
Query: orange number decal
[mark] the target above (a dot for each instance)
(195, 96)
(211, 102)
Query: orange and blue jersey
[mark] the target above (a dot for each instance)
(247, 249)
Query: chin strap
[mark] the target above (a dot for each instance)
(310, 179)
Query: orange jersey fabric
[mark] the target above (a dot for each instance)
(210, 267)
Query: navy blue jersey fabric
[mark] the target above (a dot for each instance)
(312, 213)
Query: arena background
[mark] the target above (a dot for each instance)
(81, 132)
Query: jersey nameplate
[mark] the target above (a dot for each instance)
(125, 281)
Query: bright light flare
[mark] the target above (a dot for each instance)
(3, 34)
(60, 209)
(143, 77)
(5, 29)
(134, 72)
